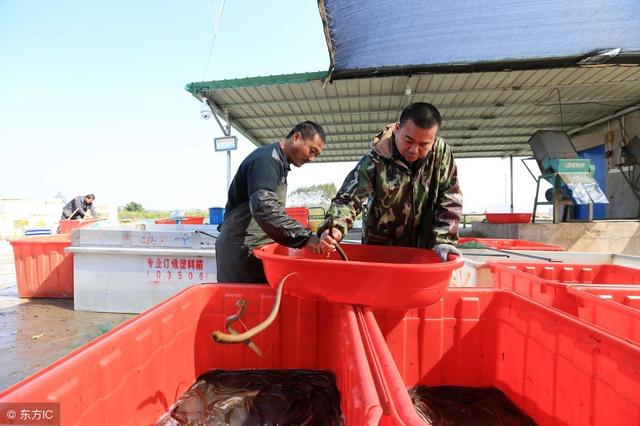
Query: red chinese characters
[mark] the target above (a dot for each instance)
(175, 263)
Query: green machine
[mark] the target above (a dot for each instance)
(571, 177)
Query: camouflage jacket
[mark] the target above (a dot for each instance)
(413, 207)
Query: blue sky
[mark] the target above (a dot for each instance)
(92, 98)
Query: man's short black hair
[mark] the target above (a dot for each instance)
(424, 115)
(93, 197)
(307, 129)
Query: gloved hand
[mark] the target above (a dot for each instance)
(444, 250)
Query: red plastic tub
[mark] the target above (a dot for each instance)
(67, 226)
(511, 244)
(43, 269)
(301, 214)
(382, 276)
(132, 374)
(187, 220)
(614, 308)
(164, 222)
(547, 282)
(508, 217)
(557, 369)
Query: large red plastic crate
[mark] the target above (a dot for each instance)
(557, 369)
(616, 309)
(511, 244)
(547, 282)
(43, 269)
(132, 374)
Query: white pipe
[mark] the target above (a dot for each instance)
(511, 179)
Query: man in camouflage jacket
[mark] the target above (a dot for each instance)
(410, 183)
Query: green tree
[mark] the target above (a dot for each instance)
(132, 206)
(313, 196)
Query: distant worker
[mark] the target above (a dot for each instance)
(410, 180)
(79, 207)
(254, 214)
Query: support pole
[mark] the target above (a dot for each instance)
(226, 130)
(228, 170)
(511, 179)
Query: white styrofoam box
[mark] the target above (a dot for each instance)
(131, 280)
(187, 239)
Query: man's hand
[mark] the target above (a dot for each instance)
(444, 250)
(313, 244)
(327, 242)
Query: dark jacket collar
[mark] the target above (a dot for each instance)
(279, 153)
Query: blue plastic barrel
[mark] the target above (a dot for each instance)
(215, 215)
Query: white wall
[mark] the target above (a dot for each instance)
(623, 201)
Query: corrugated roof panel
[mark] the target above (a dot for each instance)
(500, 105)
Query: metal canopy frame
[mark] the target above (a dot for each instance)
(486, 114)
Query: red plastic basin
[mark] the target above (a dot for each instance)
(508, 217)
(547, 282)
(557, 369)
(381, 276)
(301, 214)
(43, 269)
(512, 244)
(187, 220)
(614, 308)
(67, 226)
(130, 375)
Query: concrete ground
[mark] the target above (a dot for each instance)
(34, 333)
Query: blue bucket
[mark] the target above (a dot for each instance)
(215, 215)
